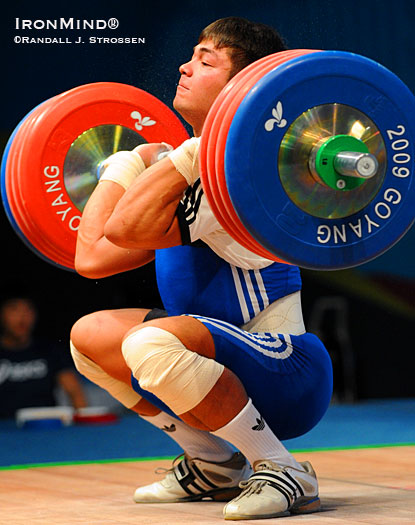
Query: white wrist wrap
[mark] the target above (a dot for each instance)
(186, 159)
(122, 168)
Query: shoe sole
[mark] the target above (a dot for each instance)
(307, 507)
(215, 495)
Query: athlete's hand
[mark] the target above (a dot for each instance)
(152, 153)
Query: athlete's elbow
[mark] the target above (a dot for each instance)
(150, 238)
(115, 231)
(90, 266)
(87, 268)
(123, 235)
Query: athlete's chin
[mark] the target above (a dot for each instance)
(180, 98)
(181, 107)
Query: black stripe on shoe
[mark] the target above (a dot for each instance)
(273, 476)
(288, 496)
(299, 487)
(188, 479)
(185, 487)
(197, 487)
(185, 476)
(278, 481)
(181, 468)
(286, 482)
(200, 474)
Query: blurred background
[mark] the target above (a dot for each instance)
(364, 315)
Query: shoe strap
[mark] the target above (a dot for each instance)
(280, 480)
(191, 479)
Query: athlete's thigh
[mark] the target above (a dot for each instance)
(289, 378)
(99, 336)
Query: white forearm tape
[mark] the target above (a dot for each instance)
(119, 390)
(283, 316)
(186, 159)
(166, 368)
(122, 168)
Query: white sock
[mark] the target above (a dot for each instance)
(196, 443)
(249, 432)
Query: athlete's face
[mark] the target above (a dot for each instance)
(202, 78)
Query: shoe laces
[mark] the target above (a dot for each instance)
(267, 465)
(252, 486)
(255, 486)
(164, 470)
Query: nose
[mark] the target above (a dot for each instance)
(186, 68)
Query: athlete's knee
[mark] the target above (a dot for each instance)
(165, 367)
(118, 389)
(87, 332)
(81, 330)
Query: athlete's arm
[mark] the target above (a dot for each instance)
(96, 256)
(145, 216)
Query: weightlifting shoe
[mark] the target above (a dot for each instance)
(273, 491)
(194, 479)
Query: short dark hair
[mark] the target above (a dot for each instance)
(8, 300)
(248, 41)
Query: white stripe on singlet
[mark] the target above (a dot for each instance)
(255, 341)
(261, 288)
(251, 292)
(240, 294)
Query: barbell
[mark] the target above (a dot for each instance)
(51, 162)
(306, 157)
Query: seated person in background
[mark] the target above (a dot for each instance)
(31, 369)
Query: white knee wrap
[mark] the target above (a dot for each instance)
(119, 390)
(163, 366)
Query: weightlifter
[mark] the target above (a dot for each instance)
(229, 362)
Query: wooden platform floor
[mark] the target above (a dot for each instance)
(365, 486)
